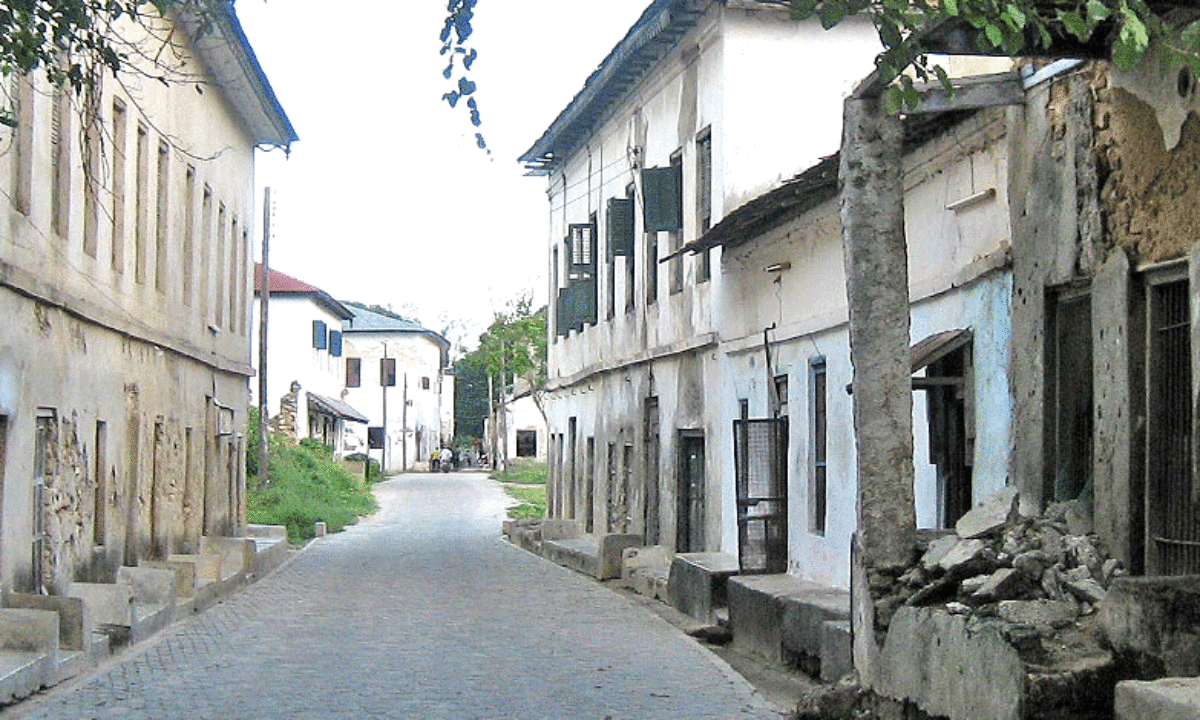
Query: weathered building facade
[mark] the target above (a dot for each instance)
(124, 363)
(668, 135)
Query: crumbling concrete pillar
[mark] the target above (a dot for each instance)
(876, 257)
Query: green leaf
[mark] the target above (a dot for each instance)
(994, 35)
(1131, 42)
(1191, 36)
(950, 6)
(893, 99)
(1013, 15)
(803, 9)
(1075, 24)
(1097, 11)
(832, 13)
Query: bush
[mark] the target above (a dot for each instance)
(307, 485)
(525, 473)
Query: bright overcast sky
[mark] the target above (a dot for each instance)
(386, 199)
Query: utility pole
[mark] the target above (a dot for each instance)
(404, 426)
(383, 460)
(264, 456)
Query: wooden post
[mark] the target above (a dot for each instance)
(264, 456)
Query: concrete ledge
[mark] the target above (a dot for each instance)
(155, 592)
(595, 555)
(698, 583)
(1166, 699)
(780, 617)
(560, 529)
(73, 620)
(837, 659)
(107, 603)
(237, 554)
(267, 532)
(645, 570)
(1153, 623)
(185, 574)
(28, 651)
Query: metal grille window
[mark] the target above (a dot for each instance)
(760, 447)
(1174, 498)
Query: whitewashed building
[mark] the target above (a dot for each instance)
(305, 370)
(125, 357)
(397, 374)
(701, 107)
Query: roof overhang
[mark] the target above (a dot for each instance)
(336, 408)
(655, 33)
(225, 50)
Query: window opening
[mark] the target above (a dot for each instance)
(817, 493)
(760, 446)
(689, 530)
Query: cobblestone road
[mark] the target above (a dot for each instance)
(420, 611)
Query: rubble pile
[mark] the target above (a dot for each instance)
(1042, 574)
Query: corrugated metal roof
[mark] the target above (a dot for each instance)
(337, 408)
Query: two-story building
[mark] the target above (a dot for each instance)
(397, 374)
(305, 370)
(126, 281)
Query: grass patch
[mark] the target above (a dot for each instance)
(307, 485)
(525, 482)
(522, 474)
(532, 499)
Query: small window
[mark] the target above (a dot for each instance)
(817, 480)
(353, 372)
(387, 372)
(335, 343)
(320, 339)
(424, 383)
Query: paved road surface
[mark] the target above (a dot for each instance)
(421, 611)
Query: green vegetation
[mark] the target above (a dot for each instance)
(526, 483)
(306, 485)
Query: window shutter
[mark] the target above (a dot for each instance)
(319, 338)
(563, 307)
(353, 372)
(387, 372)
(662, 209)
(620, 226)
(582, 242)
(585, 301)
(335, 343)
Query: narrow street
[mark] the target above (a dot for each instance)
(421, 611)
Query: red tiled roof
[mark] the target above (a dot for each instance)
(281, 283)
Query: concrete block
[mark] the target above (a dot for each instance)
(151, 586)
(560, 529)
(29, 630)
(206, 569)
(1155, 623)
(236, 553)
(1166, 699)
(950, 668)
(645, 569)
(836, 650)
(185, 574)
(107, 603)
(780, 616)
(275, 532)
(73, 619)
(989, 516)
(579, 554)
(698, 583)
(612, 548)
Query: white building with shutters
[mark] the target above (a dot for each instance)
(702, 106)
(305, 370)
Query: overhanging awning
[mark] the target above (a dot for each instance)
(336, 408)
(929, 350)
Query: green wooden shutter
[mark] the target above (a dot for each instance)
(620, 226)
(663, 206)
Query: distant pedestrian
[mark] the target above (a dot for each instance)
(447, 458)
(434, 458)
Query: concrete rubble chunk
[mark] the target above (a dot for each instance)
(991, 515)
(1086, 590)
(1166, 699)
(938, 550)
(1038, 613)
(961, 555)
(972, 584)
(1005, 583)
(1081, 551)
(1052, 584)
(1029, 564)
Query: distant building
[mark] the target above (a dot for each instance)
(305, 371)
(125, 358)
(397, 373)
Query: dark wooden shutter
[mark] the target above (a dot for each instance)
(663, 208)
(620, 226)
(387, 372)
(319, 338)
